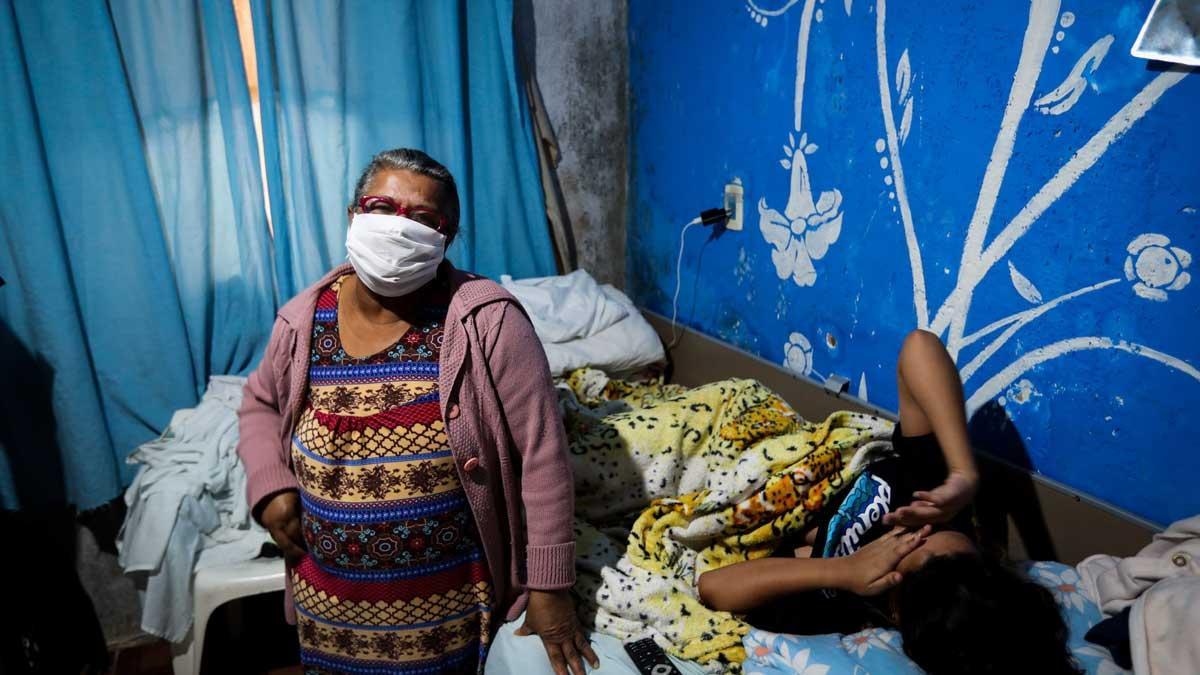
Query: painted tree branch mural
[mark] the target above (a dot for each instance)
(807, 228)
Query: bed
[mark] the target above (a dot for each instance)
(1049, 526)
(875, 651)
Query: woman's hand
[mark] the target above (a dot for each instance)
(551, 616)
(871, 569)
(281, 517)
(938, 505)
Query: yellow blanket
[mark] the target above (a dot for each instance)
(719, 474)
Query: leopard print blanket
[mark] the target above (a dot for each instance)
(672, 482)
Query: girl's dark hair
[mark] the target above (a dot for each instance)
(968, 614)
(409, 159)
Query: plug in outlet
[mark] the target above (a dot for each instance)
(733, 204)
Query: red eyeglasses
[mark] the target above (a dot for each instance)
(431, 218)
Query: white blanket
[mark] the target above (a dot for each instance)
(187, 508)
(584, 324)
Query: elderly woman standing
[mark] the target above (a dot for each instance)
(404, 448)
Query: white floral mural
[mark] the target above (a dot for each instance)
(1156, 266)
(798, 355)
(806, 229)
(802, 234)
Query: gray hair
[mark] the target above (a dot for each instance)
(408, 159)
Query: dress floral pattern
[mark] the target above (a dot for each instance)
(394, 580)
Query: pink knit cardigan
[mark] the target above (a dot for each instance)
(502, 421)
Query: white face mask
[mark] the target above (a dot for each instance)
(393, 255)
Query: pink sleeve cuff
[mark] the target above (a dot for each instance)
(267, 481)
(550, 568)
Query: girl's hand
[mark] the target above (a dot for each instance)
(871, 570)
(938, 505)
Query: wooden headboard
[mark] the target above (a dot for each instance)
(1024, 515)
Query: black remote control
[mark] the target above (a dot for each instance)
(650, 658)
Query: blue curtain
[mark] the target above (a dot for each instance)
(187, 76)
(135, 248)
(342, 81)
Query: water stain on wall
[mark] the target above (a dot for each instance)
(582, 68)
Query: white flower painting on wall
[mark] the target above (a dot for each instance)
(806, 229)
(1157, 266)
(798, 354)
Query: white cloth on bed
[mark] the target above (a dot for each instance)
(565, 307)
(1164, 628)
(1162, 583)
(187, 508)
(583, 324)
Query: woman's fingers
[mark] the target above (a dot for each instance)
(291, 552)
(290, 539)
(571, 656)
(557, 661)
(551, 616)
(296, 533)
(585, 648)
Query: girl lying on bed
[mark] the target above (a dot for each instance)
(917, 568)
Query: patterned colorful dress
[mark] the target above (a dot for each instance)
(395, 580)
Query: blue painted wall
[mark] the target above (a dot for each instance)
(1072, 243)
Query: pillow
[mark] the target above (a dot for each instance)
(1080, 613)
(627, 345)
(567, 307)
(875, 650)
(878, 650)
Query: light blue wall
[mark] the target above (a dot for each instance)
(1038, 156)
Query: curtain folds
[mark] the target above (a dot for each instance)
(135, 242)
(135, 250)
(340, 82)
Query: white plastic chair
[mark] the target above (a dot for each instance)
(215, 586)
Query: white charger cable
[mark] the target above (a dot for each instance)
(678, 282)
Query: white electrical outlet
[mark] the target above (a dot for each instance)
(733, 204)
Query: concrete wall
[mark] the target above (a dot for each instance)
(1003, 174)
(582, 68)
